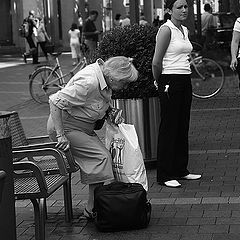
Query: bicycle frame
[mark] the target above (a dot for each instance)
(61, 79)
(194, 65)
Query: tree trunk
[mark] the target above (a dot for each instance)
(224, 6)
(234, 7)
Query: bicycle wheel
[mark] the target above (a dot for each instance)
(43, 82)
(207, 77)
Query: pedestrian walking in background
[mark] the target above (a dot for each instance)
(235, 52)
(32, 27)
(126, 21)
(42, 37)
(74, 34)
(117, 20)
(172, 74)
(76, 108)
(90, 33)
(209, 23)
(156, 22)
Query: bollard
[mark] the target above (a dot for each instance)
(2, 178)
(7, 205)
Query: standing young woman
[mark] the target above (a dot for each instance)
(172, 74)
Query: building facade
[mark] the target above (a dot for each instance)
(60, 14)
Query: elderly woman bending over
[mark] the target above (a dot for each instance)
(74, 111)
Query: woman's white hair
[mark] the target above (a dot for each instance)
(120, 68)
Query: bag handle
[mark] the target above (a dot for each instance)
(118, 185)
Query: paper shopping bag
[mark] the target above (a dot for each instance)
(127, 160)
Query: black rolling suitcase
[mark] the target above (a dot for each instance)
(121, 206)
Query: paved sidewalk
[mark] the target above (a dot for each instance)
(206, 209)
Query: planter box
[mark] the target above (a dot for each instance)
(144, 114)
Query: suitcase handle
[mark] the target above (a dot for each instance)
(118, 185)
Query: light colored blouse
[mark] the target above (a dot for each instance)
(86, 96)
(176, 58)
(74, 36)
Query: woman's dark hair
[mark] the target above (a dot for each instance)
(74, 26)
(169, 3)
(207, 7)
(93, 12)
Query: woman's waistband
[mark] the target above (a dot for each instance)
(72, 123)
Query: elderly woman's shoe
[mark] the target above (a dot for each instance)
(88, 215)
(192, 177)
(171, 183)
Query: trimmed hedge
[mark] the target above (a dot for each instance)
(137, 42)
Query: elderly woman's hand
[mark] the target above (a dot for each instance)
(63, 143)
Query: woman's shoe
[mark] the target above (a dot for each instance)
(171, 183)
(192, 177)
(88, 215)
(24, 57)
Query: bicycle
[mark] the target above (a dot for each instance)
(46, 80)
(207, 75)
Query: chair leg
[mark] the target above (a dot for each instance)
(68, 200)
(39, 218)
(45, 209)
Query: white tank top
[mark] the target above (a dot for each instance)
(176, 58)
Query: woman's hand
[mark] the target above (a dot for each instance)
(63, 143)
(234, 64)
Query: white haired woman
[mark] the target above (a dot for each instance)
(74, 111)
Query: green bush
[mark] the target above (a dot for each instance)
(137, 42)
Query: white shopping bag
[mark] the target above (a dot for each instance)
(127, 160)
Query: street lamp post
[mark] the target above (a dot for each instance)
(199, 25)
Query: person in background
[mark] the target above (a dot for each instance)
(74, 111)
(42, 37)
(33, 25)
(156, 22)
(143, 21)
(90, 33)
(126, 21)
(209, 23)
(235, 52)
(117, 20)
(74, 34)
(172, 74)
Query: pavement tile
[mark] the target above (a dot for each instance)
(234, 228)
(201, 221)
(235, 213)
(230, 220)
(215, 200)
(197, 237)
(224, 236)
(188, 200)
(214, 228)
(221, 213)
(165, 236)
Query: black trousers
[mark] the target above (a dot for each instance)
(238, 72)
(33, 48)
(172, 154)
(43, 47)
